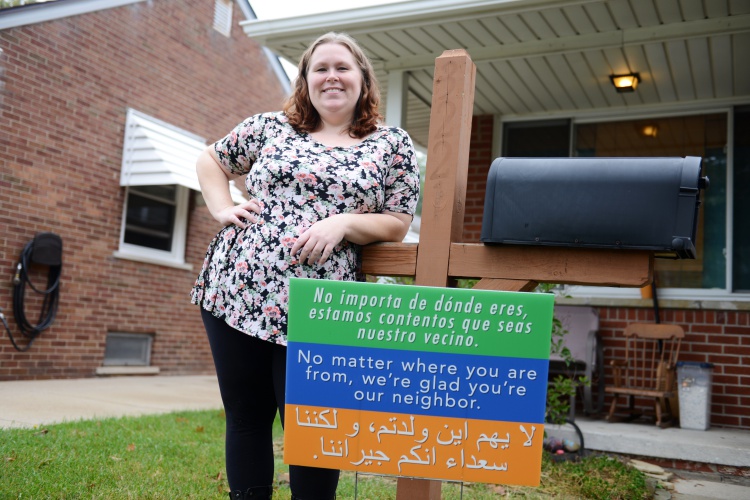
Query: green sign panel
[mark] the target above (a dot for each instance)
(427, 319)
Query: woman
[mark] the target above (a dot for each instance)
(324, 178)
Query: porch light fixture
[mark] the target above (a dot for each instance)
(625, 83)
(650, 130)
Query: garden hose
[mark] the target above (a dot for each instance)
(44, 249)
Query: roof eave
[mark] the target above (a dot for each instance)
(50, 11)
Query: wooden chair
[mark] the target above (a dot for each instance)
(648, 369)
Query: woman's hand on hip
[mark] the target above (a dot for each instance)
(240, 215)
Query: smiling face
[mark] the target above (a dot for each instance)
(334, 82)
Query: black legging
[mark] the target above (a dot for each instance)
(252, 376)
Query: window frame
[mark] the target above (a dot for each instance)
(173, 258)
(699, 297)
(147, 341)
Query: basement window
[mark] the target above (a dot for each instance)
(127, 349)
(223, 17)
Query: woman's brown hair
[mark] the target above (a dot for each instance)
(305, 118)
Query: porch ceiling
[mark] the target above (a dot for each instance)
(546, 58)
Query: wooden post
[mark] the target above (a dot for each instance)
(440, 257)
(444, 194)
(447, 165)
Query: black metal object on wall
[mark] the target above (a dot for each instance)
(626, 203)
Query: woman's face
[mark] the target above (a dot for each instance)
(334, 82)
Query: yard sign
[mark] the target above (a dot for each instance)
(427, 382)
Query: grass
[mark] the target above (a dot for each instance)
(181, 455)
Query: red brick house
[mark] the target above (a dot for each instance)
(544, 88)
(104, 106)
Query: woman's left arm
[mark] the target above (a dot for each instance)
(391, 224)
(317, 243)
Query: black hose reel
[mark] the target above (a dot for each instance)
(45, 249)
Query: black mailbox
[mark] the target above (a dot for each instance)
(627, 203)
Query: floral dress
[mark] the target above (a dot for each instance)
(245, 275)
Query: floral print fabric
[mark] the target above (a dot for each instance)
(245, 275)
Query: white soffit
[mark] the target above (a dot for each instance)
(539, 59)
(156, 153)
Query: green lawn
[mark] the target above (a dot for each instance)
(181, 455)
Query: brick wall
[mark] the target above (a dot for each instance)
(718, 337)
(65, 86)
(480, 159)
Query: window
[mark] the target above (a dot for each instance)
(741, 206)
(723, 240)
(223, 17)
(127, 349)
(704, 136)
(154, 222)
(537, 139)
(158, 172)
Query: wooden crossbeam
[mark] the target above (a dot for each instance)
(576, 266)
(390, 259)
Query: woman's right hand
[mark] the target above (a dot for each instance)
(240, 215)
(214, 180)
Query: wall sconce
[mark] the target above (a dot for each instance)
(625, 83)
(650, 130)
